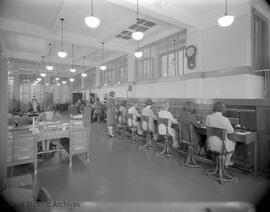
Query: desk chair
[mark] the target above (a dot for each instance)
(122, 125)
(190, 161)
(219, 172)
(163, 131)
(131, 127)
(145, 126)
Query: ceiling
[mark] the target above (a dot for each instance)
(27, 26)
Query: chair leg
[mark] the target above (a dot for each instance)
(219, 172)
(166, 150)
(190, 161)
(148, 144)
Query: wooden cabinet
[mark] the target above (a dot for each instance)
(20, 148)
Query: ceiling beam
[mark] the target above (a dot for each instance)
(169, 14)
(72, 38)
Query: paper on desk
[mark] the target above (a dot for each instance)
(243, 133)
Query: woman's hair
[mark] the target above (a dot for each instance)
(51, 108)
(112, 93)
(124, 103)
(97, 99)
(219, 107)
(188, 106)
(165, 105)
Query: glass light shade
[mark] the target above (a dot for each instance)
(138, 54)
(226, 20)
(58, 84)
(118, 82)
(47, 83)
(103, 67)
(71, 80)
(84, 75)
(72, 70)
(92, 21)
(42, 74)
(62, 54)
(137, 35)
(64, 82)
(39, 79)
(34, 83)
(49, 67)
(57, 78)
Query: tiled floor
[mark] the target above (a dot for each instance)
(119, 171)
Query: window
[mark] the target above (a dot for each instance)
(163, 58)
(116, 72)
(260, 30)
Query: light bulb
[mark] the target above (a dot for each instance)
(39, 79)
(71, 80)
(49, 67)
(226, 20)
(58, 84)
(84, 75)
(137, 35)
(62, 54)
(103, 67)
(64, 82)
(72, 70)
(57, 78)
(47, 83)
(42, 74)
(92, 21)
(34, 83)
(138, 54)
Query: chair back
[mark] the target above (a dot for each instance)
(145, 123)
(130, 119)
(163, 126)
(216, 139)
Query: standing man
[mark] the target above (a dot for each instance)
(111, 113)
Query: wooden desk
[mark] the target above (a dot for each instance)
(245, 154)
(23, 142)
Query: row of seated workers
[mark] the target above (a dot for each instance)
(185, 120)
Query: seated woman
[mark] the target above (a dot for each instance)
(217, 120)
(164, 113)
(147, 111)
(48, 116)
(133, 110)
(97, 109)
(187, 119)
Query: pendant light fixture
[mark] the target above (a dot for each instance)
(226, 20)
(62, 53)
(57, 78)
(138, 53)
(43, 74)
(49, 66)
(174, 53)
(137, 35)
(103, 67)
(84, 74)
(72, 70)
(71, 79)
(92, 21)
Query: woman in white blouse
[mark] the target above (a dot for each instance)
(164, 113)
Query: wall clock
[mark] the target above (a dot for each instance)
(191, 56)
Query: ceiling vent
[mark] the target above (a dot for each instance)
(144, 25)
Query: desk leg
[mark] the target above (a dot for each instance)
(35, 156)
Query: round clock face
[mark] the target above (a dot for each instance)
(190, 51)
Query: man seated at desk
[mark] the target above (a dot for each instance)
(187, 120)
(147, 111)
(48, 116)
(217, 120)
(164, 113)
(134, 111)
